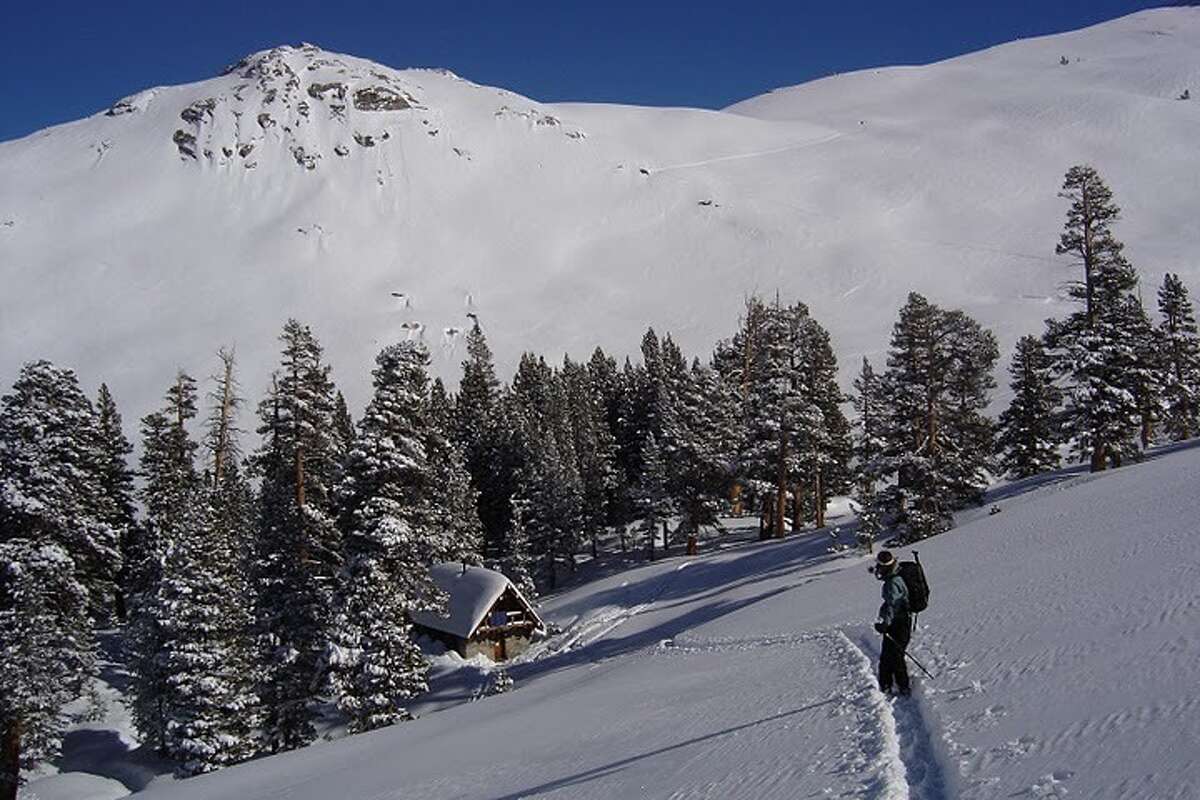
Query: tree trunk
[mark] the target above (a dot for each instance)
(10, 760)
(665, 548)
(299, 464)
(781, 489)
(797, 507)
(818, 499)
(650, 534)
(225, 422)
(735, 496)
(595, 551)
(1099, 456)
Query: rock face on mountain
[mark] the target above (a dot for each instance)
(311, 184)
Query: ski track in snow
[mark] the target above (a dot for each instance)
(756, 154)
(908, 760)
(596, 627)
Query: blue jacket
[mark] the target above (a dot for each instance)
(895, 599)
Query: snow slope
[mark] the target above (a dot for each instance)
(1064, 634)
(313, 184)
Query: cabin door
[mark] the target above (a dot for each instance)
(499, 651)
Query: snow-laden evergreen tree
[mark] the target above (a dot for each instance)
(485, 432)
(297, 549)
(512, 557)
(630, 433)
(390, 539)
(116, 478)
(785, 423)
(871, 406)
(343, 432)
(652, 496)
(1145, 376)
(1180, 376)
(202, 605)
(937, 441)
(52, 470)
(46, 649)
(1094, 350)
(825, 444)
(595, 449)
(700, 432)
(606, 380)
(973, 353)
(171, 497)
(453, 501)
(1029, 436)
(548, 484)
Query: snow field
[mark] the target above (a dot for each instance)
(1064, 636)
(845, 193)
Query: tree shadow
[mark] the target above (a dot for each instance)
(611, 647)
(103, 753)
(616, 766)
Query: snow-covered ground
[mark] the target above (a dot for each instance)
(1064, 634)
(566, 226)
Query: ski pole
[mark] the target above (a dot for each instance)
(910, 657)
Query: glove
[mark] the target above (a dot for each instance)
(880, 627)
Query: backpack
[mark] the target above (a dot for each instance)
(913, 575)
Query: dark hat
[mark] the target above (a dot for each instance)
(885, 558)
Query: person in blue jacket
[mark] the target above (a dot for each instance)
(895, 623)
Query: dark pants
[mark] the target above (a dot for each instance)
(892, 665)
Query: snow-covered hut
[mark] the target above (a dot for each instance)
(487, 614)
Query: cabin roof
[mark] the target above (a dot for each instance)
(471, 595)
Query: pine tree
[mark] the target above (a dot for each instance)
(171, 497)
(391, 538)
(116, 478)
(700, 431)
(1029, 434)
(297, 550)
(594, 447)
(548, 483)
(606, 381)
(343, 428)
(652, 497)
(785, 423)
(937, 440)
(871, 405)
(1094, 349)
(485, 433)
(1180, 375)
(512, 557)
(1145, 375)
(825, 441)
(454, 503)
(46, 649)
(202, 605)
(52, 463)
(973, 353)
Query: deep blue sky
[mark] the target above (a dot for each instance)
(61, 61)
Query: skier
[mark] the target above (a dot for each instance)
(894, 623)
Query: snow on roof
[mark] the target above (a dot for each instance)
(472, 594)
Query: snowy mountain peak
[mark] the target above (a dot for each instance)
(300, 103)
